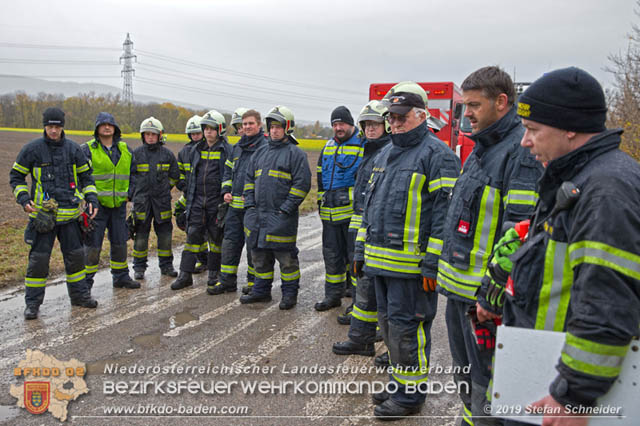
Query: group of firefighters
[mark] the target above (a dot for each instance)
(539, 230)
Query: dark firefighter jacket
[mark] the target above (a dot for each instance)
(154, 173)
(277, 181)
(405, 205)
(234, 175)
(371, 149)
(183, 165)
(204, 181)
(579, 270)
(59, 170)
(337, 166)
(497, 185)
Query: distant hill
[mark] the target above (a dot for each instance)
(32, 86)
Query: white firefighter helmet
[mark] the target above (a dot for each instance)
(236, 118)
(410, 87)
(152, 125)
(373, 111)
(193, 125)
(216, 120)
(282, 115)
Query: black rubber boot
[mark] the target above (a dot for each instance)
(126, 282)
(389, 410)
(327, 304)
(138, 275)
(353, 348)
(31, 312)
(219, 288)
(184, 280)
(379, 397)
(254, 298)
(288, 301)
(345, 319)
(247, 288)
(382, 360)
(169, 271)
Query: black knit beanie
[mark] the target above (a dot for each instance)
(53, 116)
(343, 114)
(569, 99)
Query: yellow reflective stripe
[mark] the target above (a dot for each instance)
(250, 269)
(34, 282)
(19, 189)
(290, 277)
(213, 248)
(362, 315)
(227, 183)
(91, 269)
(143, 167)
(118, 265)
(344, 150)
(297, 192)
(163, 167)
(164, 253)
(182, 201)
(20, 168)
(83, 168)
(443, 182)
(279, 174)
(210, 155)
(601, 254)
(187, 167)
(281, 239)
(319, 169)
(228, 163)
(466, 416)
(165, 214)
(336, 278)
(248, 186)
(414, 210)
(519, 196)
(258, 172)
(89, 189)
(140, 253)
(362, 235)
(237, 202)
(320, 194)
(589, 357)
(75, 277)
(555, 293)
(204, 247)
(229, 269)
(193, 248)
(434, 246)
(356, 221)
(173, 181)
(247, 231)
(141, 215)
(264, 275)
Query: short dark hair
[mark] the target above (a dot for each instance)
(252, 113)
(492, 81)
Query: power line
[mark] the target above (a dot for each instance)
(56, 61)
(58, 76)
(50, 46)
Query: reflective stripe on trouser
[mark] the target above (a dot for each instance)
(337, 251)
(113, 220)
(405, 315)
(232, 245)
(364, 317)
(264, 262)
(141, 243)
(200, 229)
(70, 239)
(465, 352)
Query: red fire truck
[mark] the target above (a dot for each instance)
(445, 104)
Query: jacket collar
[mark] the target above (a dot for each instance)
(496, 132)
(251, 143)
(372, 145)
(410, 138)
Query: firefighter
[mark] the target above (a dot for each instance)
(579, 270)
(402, 223)
(208, 159)
(277, 181)
(496, 186)
(155, 172)
(364, 317)
(193, 130)
(110, 158)
(337, 166)
(60, 181)
(232, 187)
(236, 120)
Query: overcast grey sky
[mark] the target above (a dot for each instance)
(328, 51)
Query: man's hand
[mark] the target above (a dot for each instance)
(30, 207)
(429, 284)
(93, 211)
(550, 405)
(484, 315)
(228, 197)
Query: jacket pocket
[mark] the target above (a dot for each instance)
(281, 227)
(461, 222)
(251, 225)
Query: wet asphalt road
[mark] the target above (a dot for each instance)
(155, 326)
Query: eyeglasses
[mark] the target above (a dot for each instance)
(396, 118)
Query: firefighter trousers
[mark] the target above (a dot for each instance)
(232, 249)
(405, 315)
(264, 262)
(70, 238)
(112, 220)
(467, 356)
(202, 228)
(364, 317)
(337, 251)
(141, 243)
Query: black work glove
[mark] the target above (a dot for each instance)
(356, 268)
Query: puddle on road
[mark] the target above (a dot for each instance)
(98, 366)
(147, 340)
(181, 318)
(8, 412)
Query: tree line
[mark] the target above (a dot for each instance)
(24, 111)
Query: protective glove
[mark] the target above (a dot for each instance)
(131, 226)
(495, 295)
(429, 284)
(507, 245)
(45, 219)
(357, 268)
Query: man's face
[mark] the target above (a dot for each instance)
(106, 130)
(545, 142)
(196, 137)
(250, 126)
(481, 111)
(341, 130)
(151, 138)
(53, 131)
(239, 129)
(210, 133)
(276, 131)
(405, 123)
(373, 129)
